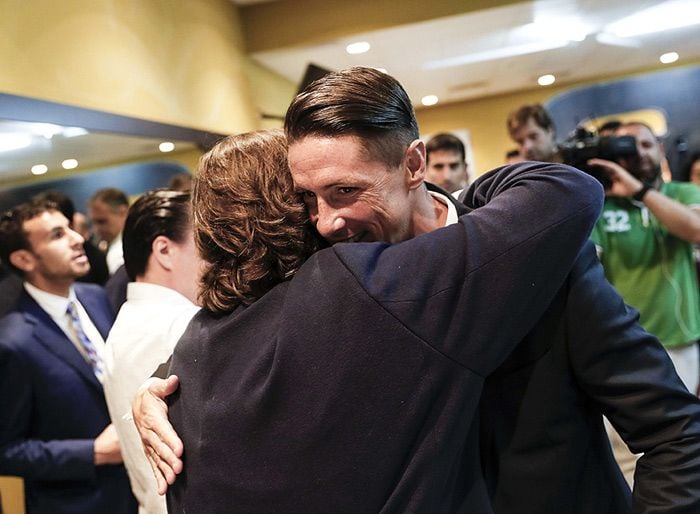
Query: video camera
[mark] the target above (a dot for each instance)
(583, 145)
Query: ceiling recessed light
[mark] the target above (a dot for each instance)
(39, 169)
(69, 164)
(669, 57)
(429, 100)
(546, 80)
(166, 146)
(358, 48)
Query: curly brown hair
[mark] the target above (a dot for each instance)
(250, 226)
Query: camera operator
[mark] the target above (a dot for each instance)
(645, 238)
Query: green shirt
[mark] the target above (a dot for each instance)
(653, 270)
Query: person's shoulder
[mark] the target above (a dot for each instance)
(15, 330)
(686, 192)
(86, 287)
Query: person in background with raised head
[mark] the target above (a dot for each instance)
(108, 208)
(162, 262)
(55, 430)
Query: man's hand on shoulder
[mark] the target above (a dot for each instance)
(161, 443)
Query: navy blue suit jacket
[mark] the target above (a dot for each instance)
(52, 408)
(544, 449)
(354, 386)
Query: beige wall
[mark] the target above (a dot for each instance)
(174, 61)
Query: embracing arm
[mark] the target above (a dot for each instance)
(161, 444)
(627, 371)
(474, 289)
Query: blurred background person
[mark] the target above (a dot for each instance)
(108, 208)
(446, 165)
(161, 261)
(55, 430)
(693, 172)
(532, 129)
(180, 182)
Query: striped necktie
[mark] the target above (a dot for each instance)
(90, 350)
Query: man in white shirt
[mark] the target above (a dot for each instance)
(108, 209)
(55, 430)
(162, 263)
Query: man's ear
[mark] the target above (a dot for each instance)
(161, 251)
(415, 163)
(23, 260)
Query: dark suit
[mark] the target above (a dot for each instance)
(544, 447)
(353, 387)
(52, 409)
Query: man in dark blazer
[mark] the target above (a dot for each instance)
(543, 446)
(55, 430)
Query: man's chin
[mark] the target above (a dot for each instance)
(82, 270)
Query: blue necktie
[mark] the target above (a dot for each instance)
(92, 354)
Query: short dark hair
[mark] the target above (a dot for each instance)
(361, 102)
(445, 141)
(180, 182)
(514, 152)
(251, 228)
(536, 112)
(610, 126)
(12, 234)
(62, 200)
(156, 213)
(111, 196)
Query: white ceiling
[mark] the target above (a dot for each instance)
(50, 145)
(418, 54)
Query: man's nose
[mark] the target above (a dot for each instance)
(328, 220)
(76, 238)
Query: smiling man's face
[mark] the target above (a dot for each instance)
(351, 196)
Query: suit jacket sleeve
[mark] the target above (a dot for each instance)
(627, 371)
(70, 459)
(499, 268)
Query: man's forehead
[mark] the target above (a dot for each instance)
(44, 223)
(638, 131)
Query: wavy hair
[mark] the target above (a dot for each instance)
(250, 226)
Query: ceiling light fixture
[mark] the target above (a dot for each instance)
(669, 57)
(673, 14)
(496, 53)
(360, 47)
(39, 169)
(69, 164)
(546, 80)
(429, 100)
(166, 146)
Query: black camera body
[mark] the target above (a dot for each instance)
(584, 145)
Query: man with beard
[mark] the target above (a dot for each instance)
(645, 238)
